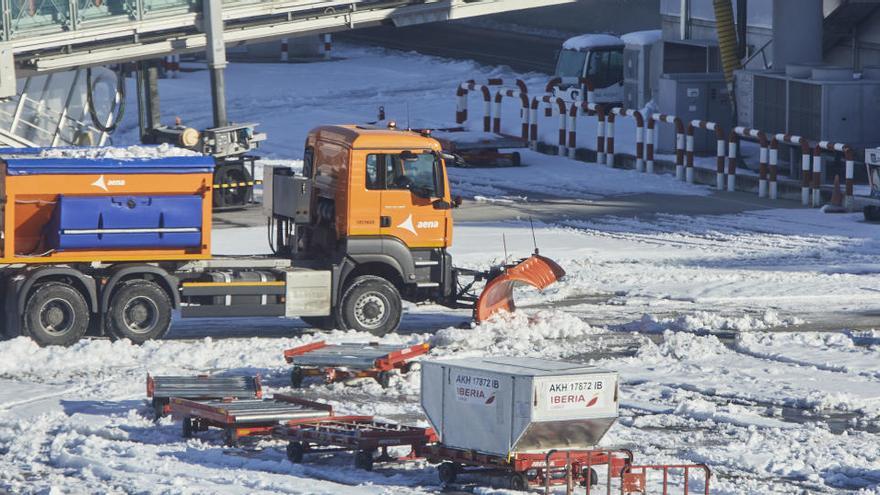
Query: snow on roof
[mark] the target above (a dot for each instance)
(642, 37)
(126, 153)
(587, 41)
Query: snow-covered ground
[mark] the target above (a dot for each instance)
(700, 314)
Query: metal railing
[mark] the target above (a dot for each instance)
(50, 110)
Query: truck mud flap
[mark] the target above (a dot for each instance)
(536, 270)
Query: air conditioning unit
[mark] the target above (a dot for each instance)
(820, 103)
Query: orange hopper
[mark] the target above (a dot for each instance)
(536, 270)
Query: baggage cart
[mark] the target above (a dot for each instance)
(200, 388)
(339, 362)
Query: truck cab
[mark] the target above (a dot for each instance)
(597, 57)
(374, 205)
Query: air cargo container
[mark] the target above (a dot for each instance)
(507, 405)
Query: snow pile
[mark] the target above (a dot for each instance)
(706, 321)
(827, 351)
(548, 333)
(134, 152)
(687, 347)
(589, 41)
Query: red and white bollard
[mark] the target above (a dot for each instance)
(524, 110)
(572, 130)
(849, 197)
(533, 123)
(732, 149)
(849, 157)
(609, 140)
(328, 46)
(774, 168)
(285, 50)
(806, 178)
(763, 156)
(817, 177)
(650, 137)
(640, 135)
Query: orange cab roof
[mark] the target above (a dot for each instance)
(370, 137)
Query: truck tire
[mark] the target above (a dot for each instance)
(370, 304)
(56, 314)
(139, 310)
(321, 322)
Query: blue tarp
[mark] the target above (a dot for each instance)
(168, 165)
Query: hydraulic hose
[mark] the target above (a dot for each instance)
(118, 103)
(726, 38)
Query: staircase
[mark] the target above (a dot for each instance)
(52, 110)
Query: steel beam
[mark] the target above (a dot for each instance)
(269, 22)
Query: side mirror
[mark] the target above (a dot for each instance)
(456, 201)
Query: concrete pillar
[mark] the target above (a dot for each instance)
(797, 32)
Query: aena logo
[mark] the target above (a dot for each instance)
(101, 183)
(425, 224)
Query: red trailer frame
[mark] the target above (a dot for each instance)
(397, 360)
(531, 469)
(635, 478)
(360, 434)
(199, 416)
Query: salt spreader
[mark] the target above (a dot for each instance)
(114, 245)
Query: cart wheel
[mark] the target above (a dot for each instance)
(516, 159)
(384, 379)
(231, 437)
(295, 452)
(363, 459)
(593, 476)
(158, 408)
(519, 482)
(188, 428)
(296, 377)
(447, 472)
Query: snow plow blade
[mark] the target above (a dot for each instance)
(536, 270)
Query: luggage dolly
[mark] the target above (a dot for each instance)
(482, 149)
(525, 470)
(245, 418)
(200, 388)
(339, 362)
(362, 435)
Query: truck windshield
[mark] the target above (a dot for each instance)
(570, 63)
(419, 172)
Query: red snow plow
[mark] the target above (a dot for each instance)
(537, 271)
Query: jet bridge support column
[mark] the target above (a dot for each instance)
(216, 58)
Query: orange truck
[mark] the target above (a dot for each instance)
(114, 246)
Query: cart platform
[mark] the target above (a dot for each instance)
(243, 418)
(338, 362)
(200, 388)
(361, 434)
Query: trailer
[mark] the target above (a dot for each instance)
(113, 246)
(345, 361)
(160, 389)
(245, 418)
(526, 469)
(363, 435)
(480, 149)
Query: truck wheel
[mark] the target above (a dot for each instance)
(447, 472)
(295, 452)
(296, 377)
(321, 322)
(139, 311)
(363, 459)
(519, 482)
(370, 304)
(56, 314)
